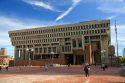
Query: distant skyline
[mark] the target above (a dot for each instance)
(22, 14)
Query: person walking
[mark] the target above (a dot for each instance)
(46, 67)
(7, 68)
(87, 69)
(103, 67)
(0, 68)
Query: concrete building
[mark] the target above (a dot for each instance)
(64, 44)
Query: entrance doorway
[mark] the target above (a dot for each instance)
(79, 60)
(69, 58)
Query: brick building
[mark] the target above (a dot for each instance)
(3, 57)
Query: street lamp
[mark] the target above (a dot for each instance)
(52, 56)
(103, 56)
(29, 54)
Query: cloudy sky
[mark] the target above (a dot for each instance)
(20, 14)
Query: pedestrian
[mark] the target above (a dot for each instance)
(103, 67)
(87, 69)
(106, 66)
(46, 67)
(95, 63)
(69, 65)
(6, 68)
(0, 68)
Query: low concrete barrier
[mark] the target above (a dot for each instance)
(40, 62)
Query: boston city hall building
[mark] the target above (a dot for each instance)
(78, 43)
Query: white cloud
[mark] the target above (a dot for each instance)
(112, 6)
(121, 37)
(62, 15)
(39, 3)
(111, 17)
(109, 6)
(14, 23)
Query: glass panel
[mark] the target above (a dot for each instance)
(79, 42)
(49, 50)
(74, 43)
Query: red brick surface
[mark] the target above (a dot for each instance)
(74, 74)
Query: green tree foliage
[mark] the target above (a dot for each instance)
(121, 59)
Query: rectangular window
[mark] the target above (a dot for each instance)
(49, 50)
(40, 49)
(36, 50)
(79, 42)
(54, 49)
(45, 50)
(74, 42)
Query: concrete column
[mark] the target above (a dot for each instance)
(89, 40)
(33, 52)
(101, 47)
(41, 57)
(74, 59)
(25, 54)
(88, 54)
(83, 42)
(47, 50)
(18, 54)
(21, 56)
(38, 51)
(76, 42)
(15, 55)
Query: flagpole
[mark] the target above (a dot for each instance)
(116, 43)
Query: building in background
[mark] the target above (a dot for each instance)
(3, 57)
(124, 52)
(111, 50)
(3, 51)
(84, 42)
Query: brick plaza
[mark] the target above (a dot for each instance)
(62, 74)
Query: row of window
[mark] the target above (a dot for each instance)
(61, 34)
(56, 40)
(48, 50)
(74, 42)
(61, 29)
(66, 48)
(52, 49)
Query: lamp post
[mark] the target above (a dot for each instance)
(103, 56)
(29, 54)
(52, 56)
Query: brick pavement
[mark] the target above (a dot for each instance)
(74, 74)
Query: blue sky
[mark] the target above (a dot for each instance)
(20, 14)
